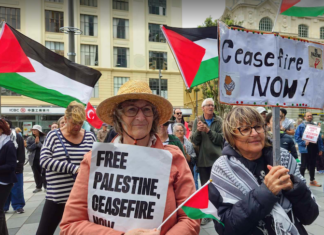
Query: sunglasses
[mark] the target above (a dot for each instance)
(179, 113)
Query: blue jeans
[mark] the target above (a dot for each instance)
(16, 196)
(196, 176)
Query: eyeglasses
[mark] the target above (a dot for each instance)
(247, 130)
(209, 105)
(179, 131)
(132, 111)
(179, 113)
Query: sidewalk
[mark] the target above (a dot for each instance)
(27, 223)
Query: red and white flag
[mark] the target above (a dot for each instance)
(92, 117)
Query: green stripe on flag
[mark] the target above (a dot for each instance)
(208, 70)
(23, 86)
(304, 11)
(194, 213)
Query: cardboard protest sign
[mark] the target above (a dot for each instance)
(311, 133)
(262, 68)
(128, 186)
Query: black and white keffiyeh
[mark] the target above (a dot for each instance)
(233, 180)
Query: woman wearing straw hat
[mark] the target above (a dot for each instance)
(135, 113)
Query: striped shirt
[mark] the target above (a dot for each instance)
(58, 170)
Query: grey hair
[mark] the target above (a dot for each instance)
(175, 125)
(206, 100)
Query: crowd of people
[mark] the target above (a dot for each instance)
(251, 196)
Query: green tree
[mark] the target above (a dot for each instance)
(210, 89)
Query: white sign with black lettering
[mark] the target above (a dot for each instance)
(311, 133)
(128, 186)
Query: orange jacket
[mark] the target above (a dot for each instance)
(181, 186)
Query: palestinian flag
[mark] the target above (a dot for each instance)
(199, 206)
(195, 51)
(30, 69)
(302, 8)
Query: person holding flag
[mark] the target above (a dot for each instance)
(135, 113)
(251, 196)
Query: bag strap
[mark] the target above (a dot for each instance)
(66, 152)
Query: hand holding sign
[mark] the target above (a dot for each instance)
(143, 231)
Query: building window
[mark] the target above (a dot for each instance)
(90, 3)
(53, 21)
(95, 91)
(89, 55)
(155, 33)
(89, 25)
(120, 5)
(158, 60)
(157, 7)
(322, 33)
(121, 57)
(6, 92)
(303, 31)
(118, 82)
(57, 47)
(265, 24)
(54, 1)
(154, 85)
(10, 16)
(121, 28)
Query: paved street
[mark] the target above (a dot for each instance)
(27, 223)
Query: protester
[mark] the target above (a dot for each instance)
(309, 151)
(34, 145)
(61, 122)
(102, 134)
(62, 152)
(286, 124)
(135, 114)
(179, 130)
(262, 111)
(286, 141)
(16, 196)
(251, 196)
(190, 124)
(18, 131)
(8, 158)
(178, 118)
(54, 126)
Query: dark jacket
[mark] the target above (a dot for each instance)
(288, 143)
(210, 144)
(243, 217)
(110, 136)
(20, 154)
(8, 162)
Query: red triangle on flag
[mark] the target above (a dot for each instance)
(13, 58)
(200, 199)
(92, 117)
(188, 54)
(286, 4)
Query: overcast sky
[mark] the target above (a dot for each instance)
(194, 12)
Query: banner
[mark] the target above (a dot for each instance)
(259, 68)
(311, 133)
(128, 186)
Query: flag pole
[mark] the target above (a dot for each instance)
(208, 182)
(274, 25)
(1, 25)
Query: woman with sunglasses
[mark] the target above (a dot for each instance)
(135, 113)
(253, 196)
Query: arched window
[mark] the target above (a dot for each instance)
(265, 24)
(322, 33)
(303, 31)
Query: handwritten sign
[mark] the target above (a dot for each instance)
(311, 133)
(128, 186)
(262, 68)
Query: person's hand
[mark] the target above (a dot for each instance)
(282, 128)
(139, 231)
(320, 153)
(36, 139)
(277, 179)
(307, 143)
(184, 148)
(200, 126)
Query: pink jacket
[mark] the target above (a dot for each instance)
(181, 186)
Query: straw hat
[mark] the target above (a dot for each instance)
(134, 90)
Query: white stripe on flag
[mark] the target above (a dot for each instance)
(55, 81)
(211, 47)
(211, 209)
(310, 3)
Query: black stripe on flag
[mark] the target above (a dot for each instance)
(56, 62)
(195, 34)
